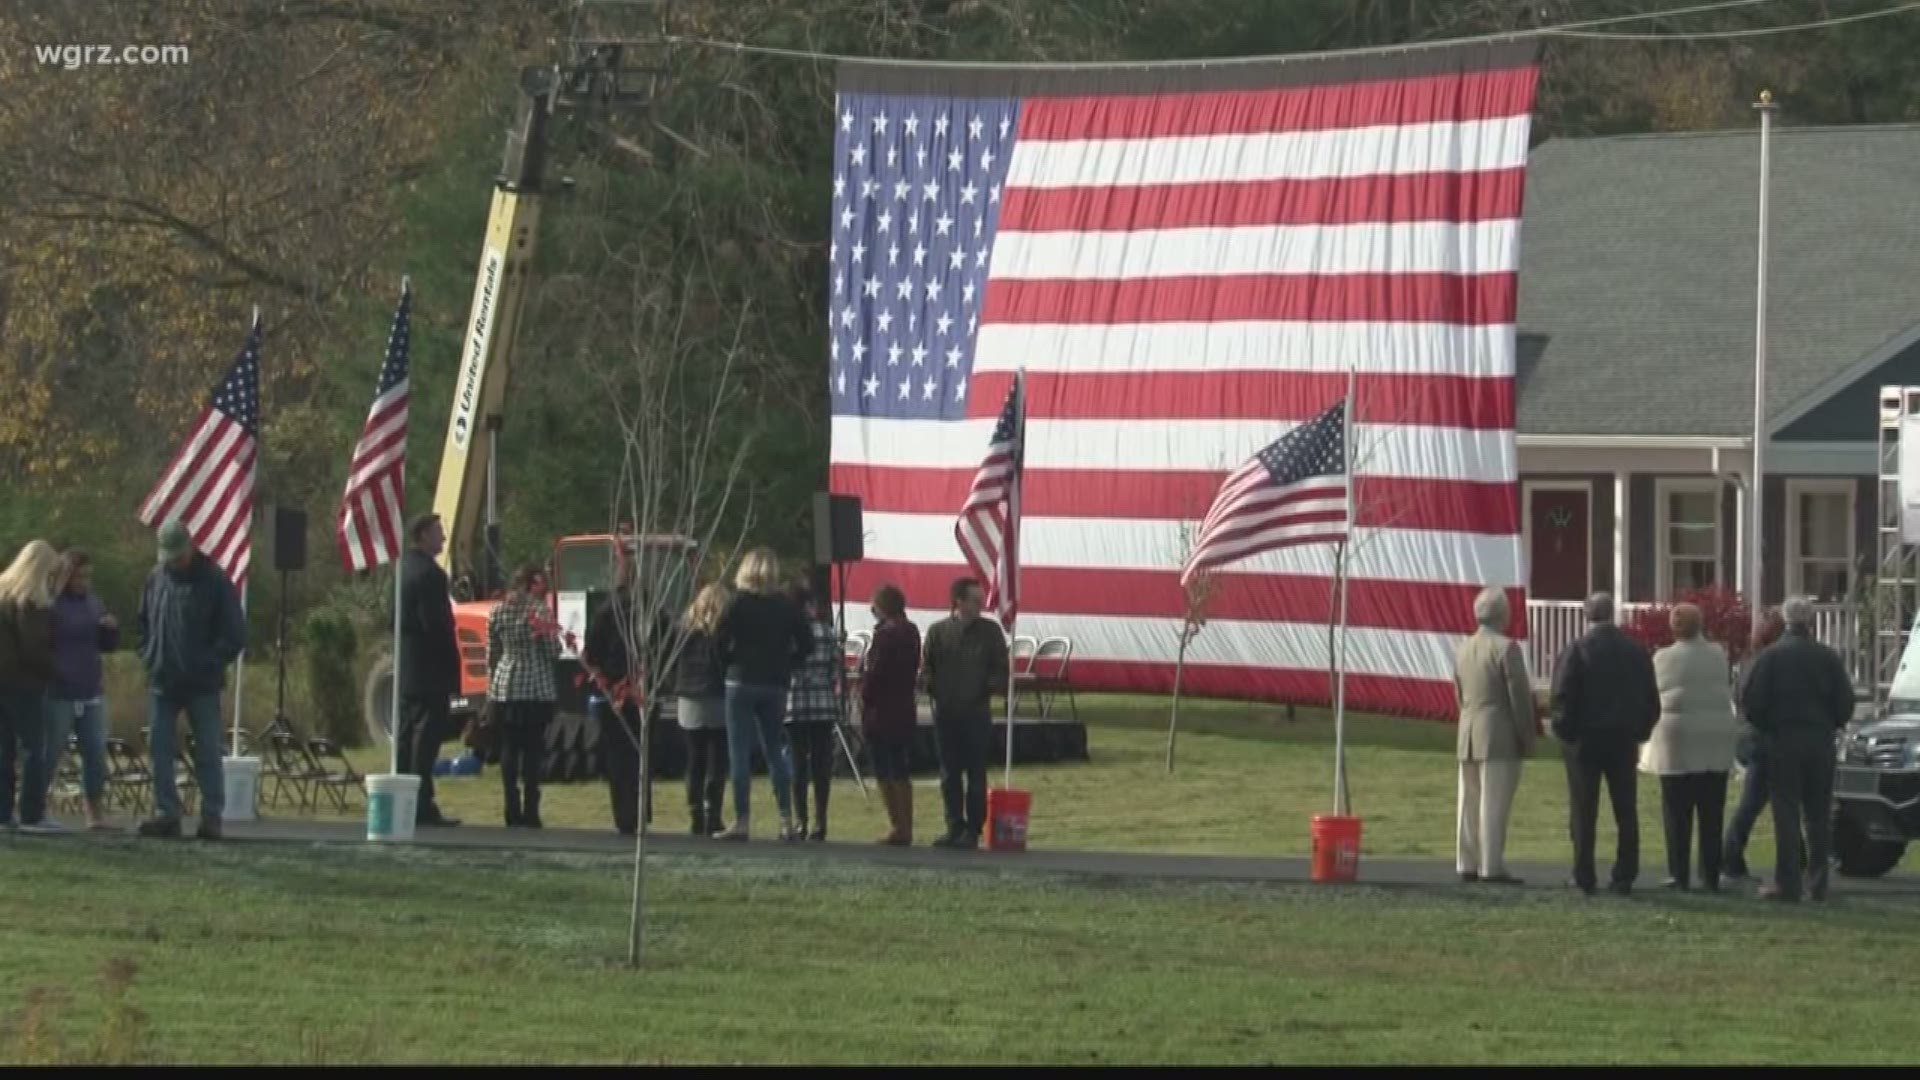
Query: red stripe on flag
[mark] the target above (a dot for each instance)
(1492, 195)
(1452, 97)
(1453, 401)
(1431, 699)
(1462, 299)
(1489, 508)
(1428, 607)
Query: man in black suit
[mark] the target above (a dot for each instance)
(1606, 702)
(428, 663)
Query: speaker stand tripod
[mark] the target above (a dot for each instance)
(281, 725)
(846, 699)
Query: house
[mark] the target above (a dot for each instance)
(1636, 356)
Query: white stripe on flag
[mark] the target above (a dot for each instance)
(1421, 247)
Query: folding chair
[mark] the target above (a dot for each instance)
(292, 766)
(1049, 675)
(129, 782)
(334, 774)
(1020, 657)
(66, 794)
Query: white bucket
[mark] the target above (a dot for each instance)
(391, 803)
(243, 787)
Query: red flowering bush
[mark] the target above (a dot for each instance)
(1726, 621)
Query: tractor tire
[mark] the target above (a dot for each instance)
(1859, 856)
(376, 700)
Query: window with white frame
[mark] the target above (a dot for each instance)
(1820, 540)
(1688, 516)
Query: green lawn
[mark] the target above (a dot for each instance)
(1247, 781)
(123, 951)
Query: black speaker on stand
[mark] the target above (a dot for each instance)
(837, 541)
(289, 555)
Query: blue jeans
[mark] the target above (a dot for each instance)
(203, 712)
(88, 719)
(1755, 795)
(754, 715)
(23, 745)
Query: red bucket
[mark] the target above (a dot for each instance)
(1336, 848)
(1007, 814)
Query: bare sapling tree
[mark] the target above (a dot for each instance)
(1198, 595)
(677, 403)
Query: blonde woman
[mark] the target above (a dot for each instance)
(763, 636)
(1692, 746)
(26, 670)
(701, 685)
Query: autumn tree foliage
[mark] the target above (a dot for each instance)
(1727, 621)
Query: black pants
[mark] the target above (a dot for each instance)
(1587, 767)
(523, 756)
(963, 770)
(423, 726)
(1755, 792)
(620, 760)
(812, 745)
(1802, 790)
(892, 758)
(1701, 795)
(707, 772)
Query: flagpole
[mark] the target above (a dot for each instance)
(240, 672)
(393, 706)
(1754, 573)
(240, 668)
(1012, 563)
(1345, 558)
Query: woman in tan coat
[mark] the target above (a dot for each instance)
(1496, 735)
(1692, 746)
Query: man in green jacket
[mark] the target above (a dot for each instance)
(966, 663)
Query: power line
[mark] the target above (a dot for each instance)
(1712, 35)
(1567, 29)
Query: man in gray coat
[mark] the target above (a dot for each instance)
(1496, 735)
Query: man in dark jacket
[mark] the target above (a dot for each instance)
(966, 662)
(1605, 704)
(619, 672)
(191, 628)
(428, 664)
(1797, 696)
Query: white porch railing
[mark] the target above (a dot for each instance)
(1552, 625)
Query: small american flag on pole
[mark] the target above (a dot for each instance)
(209, 484)
(989, 524)
(1293, 492)
(374, 506)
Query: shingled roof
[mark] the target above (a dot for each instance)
(1637, 269)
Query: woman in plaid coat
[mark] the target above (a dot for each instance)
(813, 708)
(523, 647)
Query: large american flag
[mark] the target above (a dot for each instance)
(989, 525)
(1293, 492)
(373, 510)
(1184, 262)
(209, 483)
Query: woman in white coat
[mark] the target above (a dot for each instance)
(1692, 746)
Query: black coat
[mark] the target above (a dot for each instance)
(1604, 691)
(762, 638)
(1798, 691)
(429, 649)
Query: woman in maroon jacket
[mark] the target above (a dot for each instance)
(889, 714)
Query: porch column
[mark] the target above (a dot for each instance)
(1740, 573)
(1620, 538)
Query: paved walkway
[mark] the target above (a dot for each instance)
(1403, 873)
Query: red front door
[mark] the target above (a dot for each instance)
(1560, 552)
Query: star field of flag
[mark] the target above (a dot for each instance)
(238, 395)
(1315, 449)
(917, 191)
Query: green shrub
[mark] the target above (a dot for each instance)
(331, 707)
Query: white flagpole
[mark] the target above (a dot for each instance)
(240, 666)
(1011, 566)
(393, 707)
(393, 714)
(1754, 564)
(1346, 560)
(240, 673)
